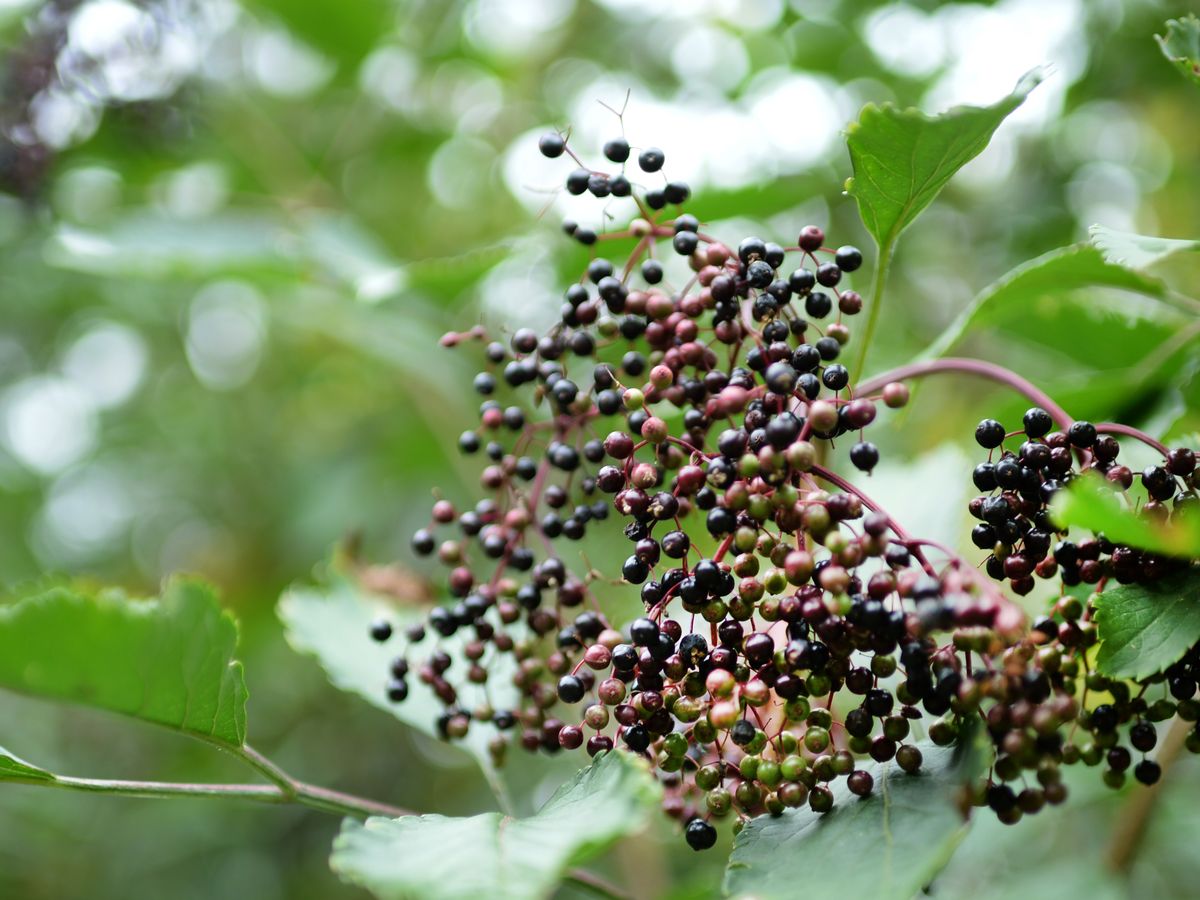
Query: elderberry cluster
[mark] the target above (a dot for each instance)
(1015, 522)
(1043, 702)
(792, 633)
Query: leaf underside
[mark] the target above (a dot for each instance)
(331, 622)
(1138, 251)
(494, 856)
(1036, 290)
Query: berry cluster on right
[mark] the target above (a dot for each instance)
(1015, 524)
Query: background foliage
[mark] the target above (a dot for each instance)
(232, 232)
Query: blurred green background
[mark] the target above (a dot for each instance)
(231, 233)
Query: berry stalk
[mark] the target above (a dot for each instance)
(979, 367)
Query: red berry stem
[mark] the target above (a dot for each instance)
(978, 367)
(1129, 431)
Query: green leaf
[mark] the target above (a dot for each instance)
(167, 661)
(903, 158)
(13, 768)
(494, 856)
(1145, 628)
(1138, 251)
(1090, 503)
(1182, 46)
(331, 621)
(1062, 850)
(1034, 291)
(887, 845)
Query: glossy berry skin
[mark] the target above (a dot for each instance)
(989, 434)
(577, 183)
(617, 150)
(651, 159)
(1147, 772)
(381, 630)
(570, 689)
(864, 455)
(552, 145)
(700, 835)
(848, 259)
(835, 377)
(1082, 434)
(1037, 422)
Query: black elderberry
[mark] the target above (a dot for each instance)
(828, 274)
(577, 183)
(989, 433)
(742, 732)
(700, 835)
(835, 377)
(397, 690)
(1143, 737)
(848, 258)
(860, 783)
(780, 378)
(552, 145)
(1104, 718)
(643, 632)
(1082, 434)
(829, 348)
(984, 477)
(1181, 461)
(1037, 422)
(750, 249)
(636, 738)
(1158, 483)
(685, 243)
(759, 273)
(652, 271)
(806, 358)
(617, 150)
(381, 630)
(1147, 771)
(1009, 473)
(818, 304)
(423, 542)
(677, 192)
(864, 455)
(570, 689)
(801, 281)
(878, 702)
(651, 159)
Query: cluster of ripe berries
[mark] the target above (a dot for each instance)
(791, 632)
(1015, 523)
(1036, 683)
